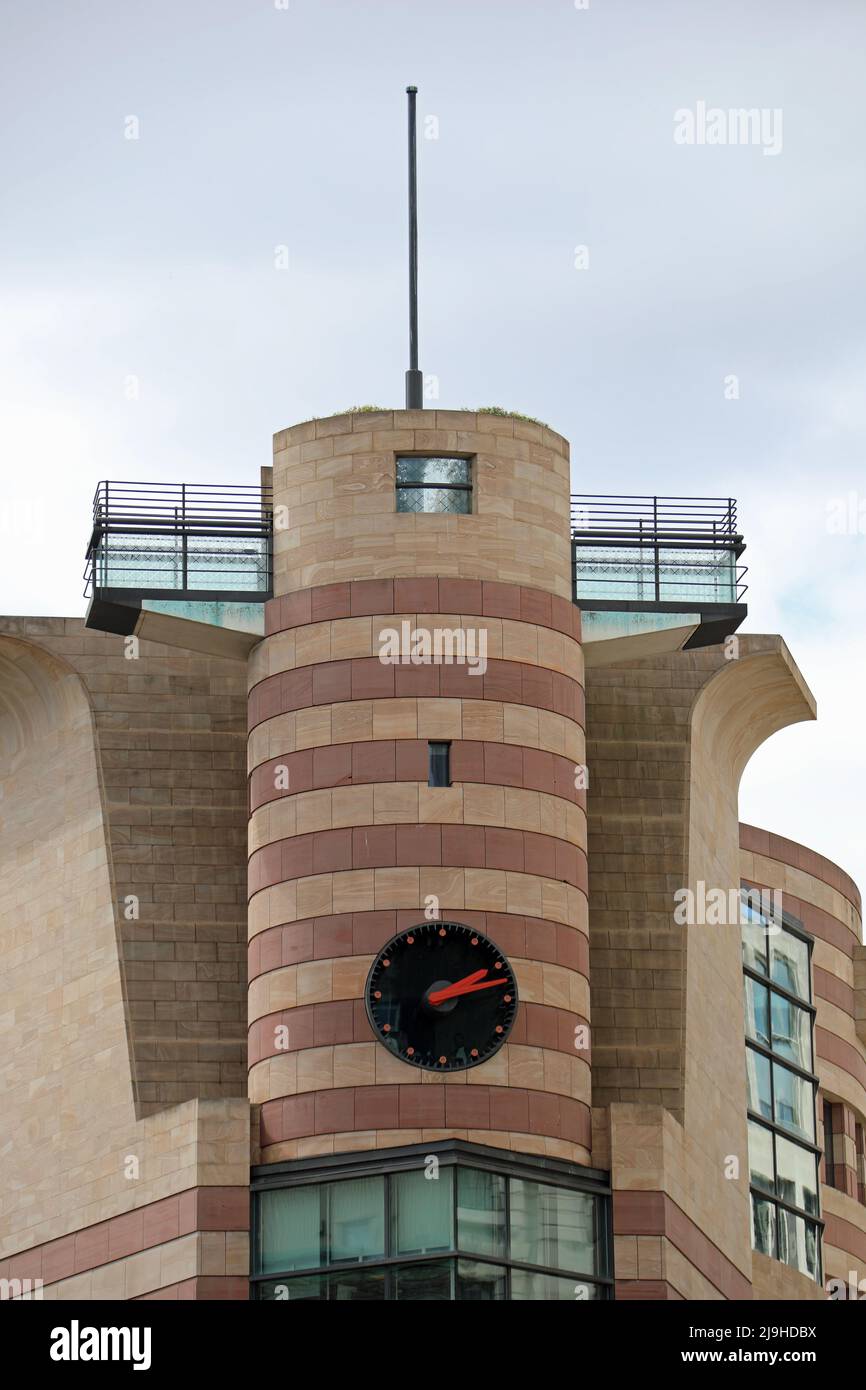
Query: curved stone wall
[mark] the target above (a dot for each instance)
(347, 840)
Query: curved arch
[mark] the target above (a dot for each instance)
(39, 694)
(748, 700)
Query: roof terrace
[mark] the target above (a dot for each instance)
(204, 552)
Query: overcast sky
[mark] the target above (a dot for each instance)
(262, 126)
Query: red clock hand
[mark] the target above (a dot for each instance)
(458, 984)
(462, 987)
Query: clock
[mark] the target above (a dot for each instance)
(441, 996)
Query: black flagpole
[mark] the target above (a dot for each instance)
(414, 378)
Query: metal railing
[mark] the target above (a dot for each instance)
(166, 539)
(656, 550)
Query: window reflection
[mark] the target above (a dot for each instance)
(783, 1173)
(468, 1234)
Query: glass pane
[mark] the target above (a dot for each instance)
(552, 1226)
(433, 470)
(763, 1226)
(798, 1242)
(289, 1229)
(421, 1212)
(757, 1011)
(481, 1212)
(356, 1219)
(308, 1289)
(613, 572)
(792, 1032)
(790, 964)
(439, 765)
(434, 499)
(754, 938)
(356, 1286)
(349, 1285)
(812, 1247)
(147, 562)
(698, 576)
(829, 1158)
(161, 562)
(479, 1282)
(758, 1083)
(427, 1283)
(549, 1289)
(797, 1175)
(226, 562)
(795, 1104)
(761, 1157)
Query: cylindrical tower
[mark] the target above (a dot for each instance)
(411, 522)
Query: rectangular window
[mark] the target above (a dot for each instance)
(793, 1102)
(758, 1079)
(792, 1032)
(754, 940)
(481, 1283)
(757, 1011)
(798, 1242)
(552, 1226)
(431, 1283)
(434, 484)
(761, 1164)
(790, 967)
(481, 1212)
(547, 1288)
(439, 765)
(421, 1213)
(829, 1145)
(290, 1229)
(763, 1227)
(355, 1224)
(796, 1175)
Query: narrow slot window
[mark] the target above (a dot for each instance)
(439, 765)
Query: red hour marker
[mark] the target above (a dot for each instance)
(474, 1052)
(443, 1060)
(410, 1052)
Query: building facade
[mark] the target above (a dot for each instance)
(315, 752)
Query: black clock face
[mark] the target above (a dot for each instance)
(441, 996)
